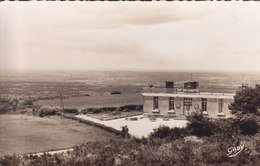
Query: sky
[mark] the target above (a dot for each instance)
(163, 36)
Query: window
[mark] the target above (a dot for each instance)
(220, 109)
(188, 101)
(171, 103)
(155, 103)
(203, 105)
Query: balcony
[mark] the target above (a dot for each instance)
(181, 90)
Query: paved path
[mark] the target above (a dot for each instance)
(140, 127)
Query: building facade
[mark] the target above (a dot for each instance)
(176, 102)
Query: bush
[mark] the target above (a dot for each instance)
(4, 109)
(10, 160)
(115, 93)
(201, 126)
(248, 126)
(70, 111)
(161, 132)
(169, 133)
(47, 111)
(127, 108)
(177, 133)
(144, 152)
(98, 110)
(224, 127)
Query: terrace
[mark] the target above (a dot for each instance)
(229, 91)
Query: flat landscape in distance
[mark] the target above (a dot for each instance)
(22, 134)
(95, 101)
(46, 85)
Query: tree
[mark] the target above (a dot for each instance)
(246, 101)
(245, 107)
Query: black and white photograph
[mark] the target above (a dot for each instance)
(113, 83)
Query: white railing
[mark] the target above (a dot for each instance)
(182, 90)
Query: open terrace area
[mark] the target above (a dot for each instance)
(140, 127)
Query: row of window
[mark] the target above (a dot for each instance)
(187, 102)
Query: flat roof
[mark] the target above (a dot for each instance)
(194, 95)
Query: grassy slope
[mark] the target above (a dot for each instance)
(96, 101)
(23, 134)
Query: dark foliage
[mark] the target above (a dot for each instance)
(246, 107)
(4, 109)
(47, 111)
(161, 132)
(98, 110)
(115, 93)
(125, 108)
(70, 111)
(246, 101)
(154, 152)
(224, 127)
(199, 125)
(10, 160)
(169, 133)
(248, 126)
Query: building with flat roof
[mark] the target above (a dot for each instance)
(170, 101)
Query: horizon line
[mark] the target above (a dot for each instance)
(126, 70)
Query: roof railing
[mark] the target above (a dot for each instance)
(177, 90)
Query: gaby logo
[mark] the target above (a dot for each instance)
(233, 151)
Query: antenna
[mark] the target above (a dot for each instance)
(61, 101)
(190, 76)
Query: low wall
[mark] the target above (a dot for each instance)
(88, 122)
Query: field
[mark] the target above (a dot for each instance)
(22, 134)
(95, 101)
(46, 85)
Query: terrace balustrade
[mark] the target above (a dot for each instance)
(181, 90)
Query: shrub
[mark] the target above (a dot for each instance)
(127, 108)
(224, 127)
(124, 108)
(47, 111)
(201, 126)
(4, 109)
(177, 133)
(169, 133)
(161, 132)
(153, 152)
(98, 110)
(70, 111)
(115, 93)
(10, 160)
(248, 126)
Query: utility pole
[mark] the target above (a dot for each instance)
(61, 101)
